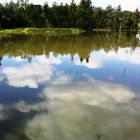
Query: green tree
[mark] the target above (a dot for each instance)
(117, 18)
(99, 20)
(34, 15)
(84, 15)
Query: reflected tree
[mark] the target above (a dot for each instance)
(0, 61)
(82, 45)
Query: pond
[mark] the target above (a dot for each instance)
(84, 87)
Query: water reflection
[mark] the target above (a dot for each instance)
(28, 47)
(83, 110)
(70, 88)
(43, 69)
(32, 74)
(127, 55)
(91, 62)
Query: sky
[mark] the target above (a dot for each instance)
(126, 4)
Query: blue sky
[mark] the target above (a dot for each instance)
(126, 4)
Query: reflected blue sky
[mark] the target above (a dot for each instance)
(122, 67)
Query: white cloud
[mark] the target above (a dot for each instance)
(23, 107)
(61, 79)
(18, 59)
(33, 74)
(126, 55)
(3, 113)
(84, 110)
(138, 36)
(126, 4)
(91, 92)
(88, 91)
(93, 63)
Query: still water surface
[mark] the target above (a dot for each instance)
(83, 87)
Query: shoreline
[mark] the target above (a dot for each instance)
(54, 31)
(43, 31)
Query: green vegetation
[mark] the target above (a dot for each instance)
(43, 31)
(84, 15)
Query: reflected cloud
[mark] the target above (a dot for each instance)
(84, 110)
(61, 79)
(1, 78)
(31, 75)
(91, 92)
(138, 36)
(93, 63)
(3, 113)
(127, 55)
(111, 78)
(18, 59)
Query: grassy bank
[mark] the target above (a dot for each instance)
(43, 31)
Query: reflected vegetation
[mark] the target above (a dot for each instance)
(79, 87)
(27, 47)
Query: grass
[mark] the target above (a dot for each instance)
(43, 31)
(139, 26)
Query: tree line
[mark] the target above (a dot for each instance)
(83, 15)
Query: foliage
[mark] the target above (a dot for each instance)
(84, 16)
